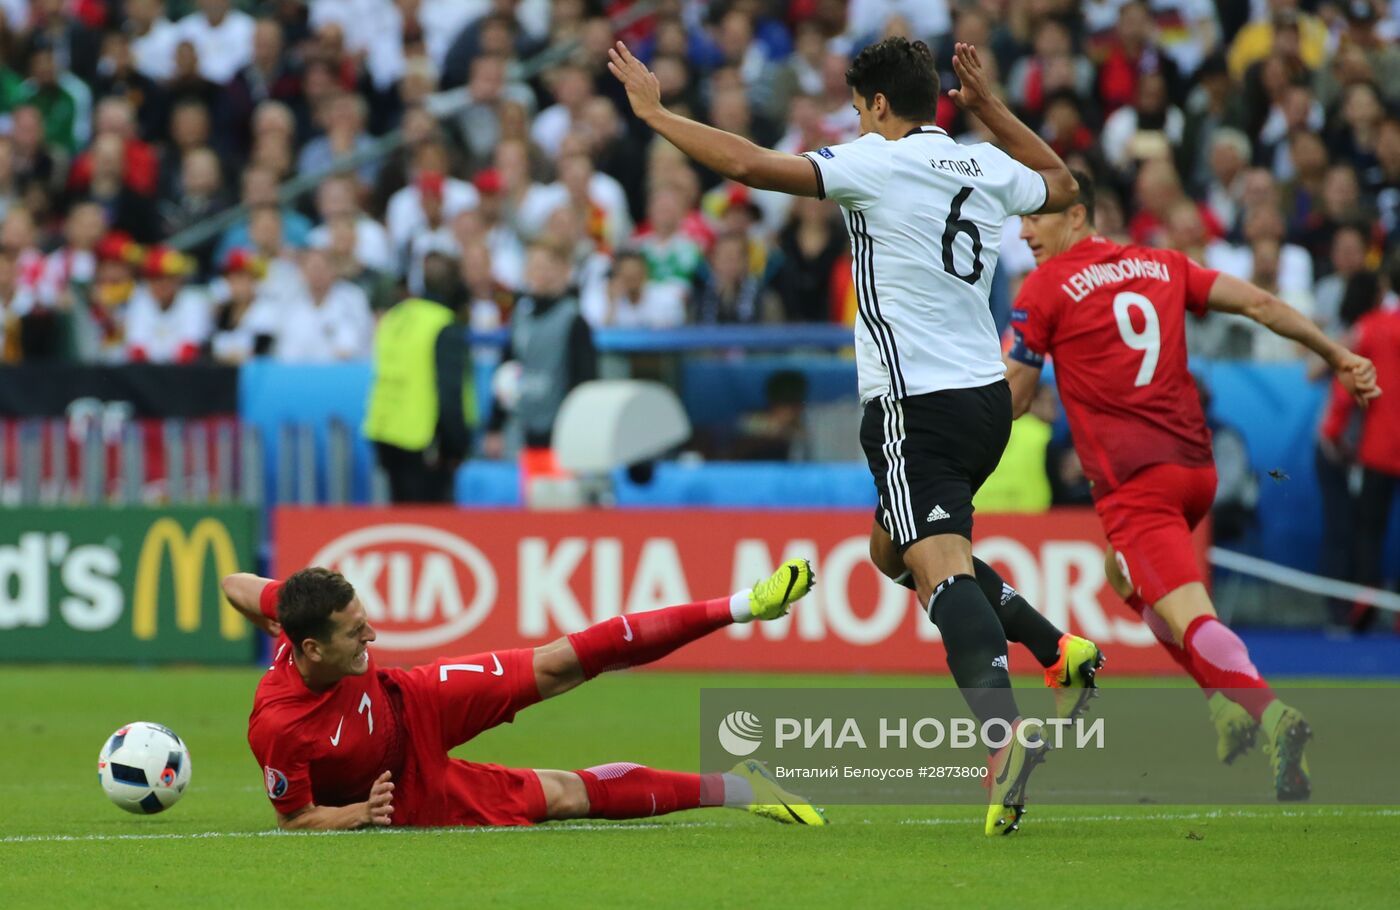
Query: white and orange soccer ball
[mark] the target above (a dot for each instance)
(144, 768)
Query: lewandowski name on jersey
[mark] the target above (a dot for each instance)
(1083, 282)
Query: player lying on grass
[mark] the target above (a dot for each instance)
(1113, 318)
(344, 744)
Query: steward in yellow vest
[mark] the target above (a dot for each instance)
(422, 401)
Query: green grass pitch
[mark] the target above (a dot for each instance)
(63, 845)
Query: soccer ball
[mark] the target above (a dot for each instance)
(144, 768)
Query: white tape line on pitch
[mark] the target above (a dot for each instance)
(653, 826)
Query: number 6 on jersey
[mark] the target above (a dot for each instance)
(1149, 340)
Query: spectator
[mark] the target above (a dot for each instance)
(199, 196)
(118, 77)
(61, 100)
(1144, 129)
(1377, 336)
(433, 235)
(222, 38)
(37, 169)
(779, 431)
(479, 123)
(340, 243)
(344, 119)
(71, 269)
(190, 129)
(629, 300)
(260, 189)
(126, 209)
(244, 324)
(140, 165)
(670, 255)
(550, 351)
(1229, 156)
(406, 215)
(1348, 258)
(165, 321)
(1050, 68)
(98, 326)
(188, 82)
(15, 302)
(422, 405)
(727, 292)
(813, 247)
(271, 75)
(329, 320)
(572, 89)
(1334, 459)
(267, 241)
(337, 198)
(1133, 54)
(1255, 41)
(153, 39)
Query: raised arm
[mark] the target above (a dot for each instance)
(1019, 140)
(244, 591)
(1024, 380)
(724, 153)
(1232, 295)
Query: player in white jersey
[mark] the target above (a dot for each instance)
(919, 207)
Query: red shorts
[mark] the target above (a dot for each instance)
(1148, 521)
(445, 704)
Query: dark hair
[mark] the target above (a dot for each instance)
(307, 600)
(1087, 197)
(1362, 294)
(903, 72)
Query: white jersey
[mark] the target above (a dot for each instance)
(925, 216)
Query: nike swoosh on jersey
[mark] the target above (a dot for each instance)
(499, 669)
(626, 630)
(335, 740)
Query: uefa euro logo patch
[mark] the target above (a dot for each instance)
(276, 782)
(826, 153)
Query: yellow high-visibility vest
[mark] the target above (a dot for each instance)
(403, 398)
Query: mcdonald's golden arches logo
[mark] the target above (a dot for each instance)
(188, 554)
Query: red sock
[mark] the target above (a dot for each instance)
(1223, 661)
(625, 790)
(1159, 628)
(639, 638)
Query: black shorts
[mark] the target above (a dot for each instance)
(929, 454)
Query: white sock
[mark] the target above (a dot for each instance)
(738, 792)
(739, 606)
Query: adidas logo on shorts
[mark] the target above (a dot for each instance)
(938, 514)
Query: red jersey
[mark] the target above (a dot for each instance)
(1377, 338)
(1113, 318)
(322, 747)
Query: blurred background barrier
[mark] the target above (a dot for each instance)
(128, 584)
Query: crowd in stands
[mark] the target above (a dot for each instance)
(1260, 136)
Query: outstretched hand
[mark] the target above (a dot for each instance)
(643, 88)
(976, 89)
(1358, 376)
(379, 809)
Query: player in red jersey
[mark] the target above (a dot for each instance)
(1113, 319)
(344, 744)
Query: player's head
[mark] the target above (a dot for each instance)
(547, 270)
(326, 622)
(894, 79)
(1051, 234)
